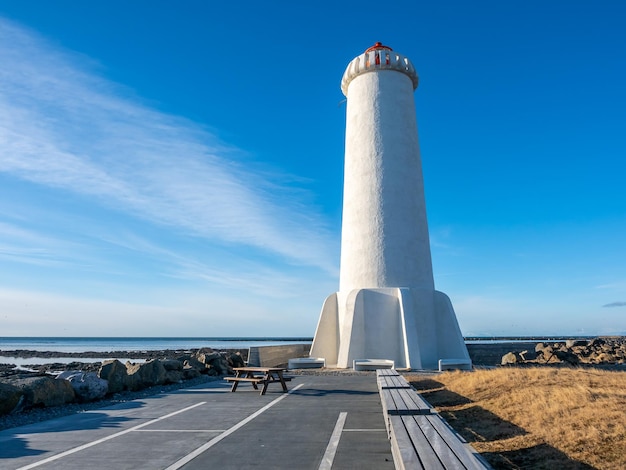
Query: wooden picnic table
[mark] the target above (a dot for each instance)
(258, 375)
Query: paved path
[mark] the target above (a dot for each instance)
(323, 422)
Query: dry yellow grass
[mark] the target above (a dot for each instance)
(543, 418)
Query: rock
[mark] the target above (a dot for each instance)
(172, 364)
(207, 357)
(235, 360)
(87, 385)
(44, 391)
(145, 374)
(173, 376)
(116, 374)
(567, 356)
(509, 358)
(192, 361)
(596, 342)
(190, 372)
(570, 343)
(11, 398)
(539, 347)
(214, 360)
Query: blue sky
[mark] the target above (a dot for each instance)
(176, 168)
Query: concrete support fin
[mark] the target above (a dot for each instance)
(413, 327)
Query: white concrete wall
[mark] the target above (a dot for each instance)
(384, 230)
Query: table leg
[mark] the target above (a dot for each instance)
(282, 380)
(266, 382)
(235, 383)
(251, 376)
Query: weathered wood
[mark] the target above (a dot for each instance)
(404, 454)
(456, 443)
(256, 375)
(244, 379)
(420, 438)
(390, 381)
(407, 402)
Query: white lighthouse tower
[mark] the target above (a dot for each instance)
(387, 306)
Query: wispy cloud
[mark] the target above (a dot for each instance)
(62, 126)
(616, 304)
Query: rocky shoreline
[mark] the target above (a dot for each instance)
(42, 391)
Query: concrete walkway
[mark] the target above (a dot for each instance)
(323, 422)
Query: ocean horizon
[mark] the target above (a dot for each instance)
(138, 344)
(73, 344)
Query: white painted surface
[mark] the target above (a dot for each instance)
(372, 364)
(306, 363)
(387, 306)
(331, 448)
(384, 237)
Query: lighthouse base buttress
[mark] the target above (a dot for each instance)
(415, 328)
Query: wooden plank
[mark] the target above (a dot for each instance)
(244, 379)
(463, 453)
(408, 402)
(404, 454)
(393, 382)
(438, 444)
(423, 444)
(417, 400)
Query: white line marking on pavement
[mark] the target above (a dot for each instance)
(331, 449)
(203, 448)
(364, 430)
(179, 430)
(104, 439)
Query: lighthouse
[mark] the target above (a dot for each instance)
(387, 306)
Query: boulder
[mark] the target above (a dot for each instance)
(173, 376)
(509, 358)
(216, 361)
(235, 360)
(567, 356)
(116, 374)
(190, 372)
(172, 364)
(527, 355)
(570, 343)
(192, 361)
(146, 374)
(11, 398)
(87, 385)
(44, 391)
(595, 342)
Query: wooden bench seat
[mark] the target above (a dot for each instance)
(427, 442)
(420, 438)
(392, 381)
(244, 379)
